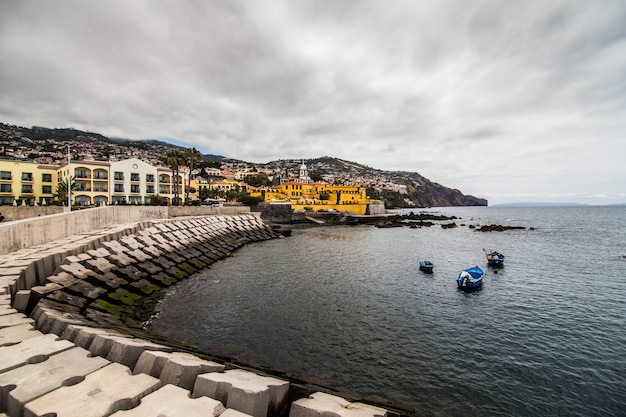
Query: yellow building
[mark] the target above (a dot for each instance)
(320, 196)
(27, 182)
(91, 179)
(97, 182)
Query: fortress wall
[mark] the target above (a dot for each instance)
(82, 348)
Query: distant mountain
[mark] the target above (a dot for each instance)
(417, 191)
(538, 204)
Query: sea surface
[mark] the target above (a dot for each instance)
(347, 307)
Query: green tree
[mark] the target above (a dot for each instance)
(258, 180)
(248, 200)
(174, 159)
(61, 191)
(192, 158)
(316, 177)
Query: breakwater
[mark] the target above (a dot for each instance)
(71, 342)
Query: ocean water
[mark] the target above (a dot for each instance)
(347, 307)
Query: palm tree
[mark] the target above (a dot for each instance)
(174, 159)
(61, 190)
(192, 158)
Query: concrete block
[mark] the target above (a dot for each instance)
(172, 401)
(131, 242)
(152, 362)
(15, 334)
(114, 246)
(8, 309)
(32, 350)
(132, 273)
(20, 301)
(140, 255)
(87, 290)
(233, 413)
(121, 259)
(77, 270)
(14, 320)
(149, 267)
(245, 391)
(63, 278)
(127, 351)
(145, 240)
(101, 393)
(153, 250)
(83, 335)
(110, 280)
(99, 253)
(56, 322)
(78, 258)
(34, 380)
(322, 404)
(5, 299)
(100, 264)
(8, 284)
(181, 369)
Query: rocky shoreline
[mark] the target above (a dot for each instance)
(419, 220)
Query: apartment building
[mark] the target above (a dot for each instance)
(27, 182)
(130, 181)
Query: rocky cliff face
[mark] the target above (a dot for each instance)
(429, 194)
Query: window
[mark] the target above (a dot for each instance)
(27, 176)
(134, 177)
(46, 189)
(5, 188)
(5, 175)
(100, 175)
(99, 188)
(118, 188)
(134, 188)
(27, 189)
(149, 178)
(150, 189)
(118, 176)
(80, 186)
(80, 173)
(46, 177)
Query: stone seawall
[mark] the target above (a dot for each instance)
(71, 342)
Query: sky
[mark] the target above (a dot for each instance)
(512, 101)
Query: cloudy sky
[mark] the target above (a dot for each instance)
(506, 100)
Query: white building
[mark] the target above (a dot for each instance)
(133, 181)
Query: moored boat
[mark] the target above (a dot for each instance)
(494, 258)
(426, 266)
(470, 278)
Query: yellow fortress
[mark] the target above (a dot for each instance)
(304, 194)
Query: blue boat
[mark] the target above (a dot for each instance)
(426, 266)
(494, 258)
(470, 278)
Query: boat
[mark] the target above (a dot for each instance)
(494, 258)
(426, 266)
(470, 278)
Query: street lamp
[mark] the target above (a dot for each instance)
(69, 176)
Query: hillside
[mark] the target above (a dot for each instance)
(395, 188)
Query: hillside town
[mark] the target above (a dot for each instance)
(210, 177)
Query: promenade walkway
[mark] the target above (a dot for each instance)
(71, 342)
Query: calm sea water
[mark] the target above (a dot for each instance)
(347, 307)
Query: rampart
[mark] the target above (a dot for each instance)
(71, 339)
